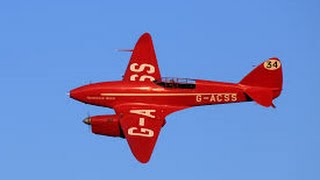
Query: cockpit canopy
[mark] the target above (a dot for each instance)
(171, 82)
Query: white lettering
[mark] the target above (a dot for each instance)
(212, 99)
(144, 112)
(227, 97)
(144, 132)
(234, 97)
(141, 121)
(133, 68)
(133, 77)
(144, 77)
(217, 97)
(198, 98)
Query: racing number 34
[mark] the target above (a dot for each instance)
(272, 64)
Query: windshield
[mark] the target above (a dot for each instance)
(170, 82)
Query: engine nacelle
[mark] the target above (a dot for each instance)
(108, 125)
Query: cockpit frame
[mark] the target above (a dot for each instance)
(173, 82)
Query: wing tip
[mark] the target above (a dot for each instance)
(143, 161)
(145, 37)
(145, 34)
(142, 157)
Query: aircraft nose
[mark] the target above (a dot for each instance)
(79, 93)
(74, 94)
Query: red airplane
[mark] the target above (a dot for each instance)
(142, 99)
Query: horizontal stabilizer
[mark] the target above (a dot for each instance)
(262, 96)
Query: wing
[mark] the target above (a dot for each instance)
(143, 65)
(141, 126)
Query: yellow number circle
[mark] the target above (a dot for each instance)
(272, 64)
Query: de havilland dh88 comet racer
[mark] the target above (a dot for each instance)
(143, 99)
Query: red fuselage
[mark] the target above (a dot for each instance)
(111, 94)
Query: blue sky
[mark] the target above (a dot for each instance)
(50, 47)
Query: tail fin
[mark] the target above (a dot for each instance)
(264, 83)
